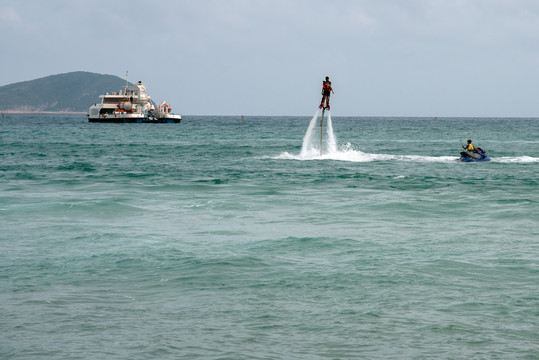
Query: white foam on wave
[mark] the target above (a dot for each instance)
(349, 153)
(520, 159)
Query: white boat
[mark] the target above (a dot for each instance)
(132, 105)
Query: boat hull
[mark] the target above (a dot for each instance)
(135, 120)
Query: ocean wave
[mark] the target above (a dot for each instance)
(519, 159)
(348, 153)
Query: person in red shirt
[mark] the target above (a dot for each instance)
(326, 92)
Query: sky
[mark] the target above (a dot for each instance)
(269, 57)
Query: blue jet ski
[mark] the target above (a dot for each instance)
(475, 156)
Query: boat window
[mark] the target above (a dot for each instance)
(112, 100)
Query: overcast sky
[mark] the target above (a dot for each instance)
(256, 57)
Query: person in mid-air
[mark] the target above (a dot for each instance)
(326, 92)
(470, 150)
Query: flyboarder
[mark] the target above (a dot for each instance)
(326, 92)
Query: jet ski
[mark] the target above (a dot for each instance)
(475, 156)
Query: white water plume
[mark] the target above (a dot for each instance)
(311, 141)
(332, 140)
(308, 146)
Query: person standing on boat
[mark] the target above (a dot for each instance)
(326, 92)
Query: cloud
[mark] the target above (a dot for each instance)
(241, 56)
(9, 14)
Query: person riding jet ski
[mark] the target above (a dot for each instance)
(470, 150)
(472, 153)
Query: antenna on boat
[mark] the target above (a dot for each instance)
(126, 82)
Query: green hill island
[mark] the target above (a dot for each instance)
(70, 92)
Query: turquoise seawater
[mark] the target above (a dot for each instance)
(219, 238)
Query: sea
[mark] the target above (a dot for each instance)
(221, 238)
